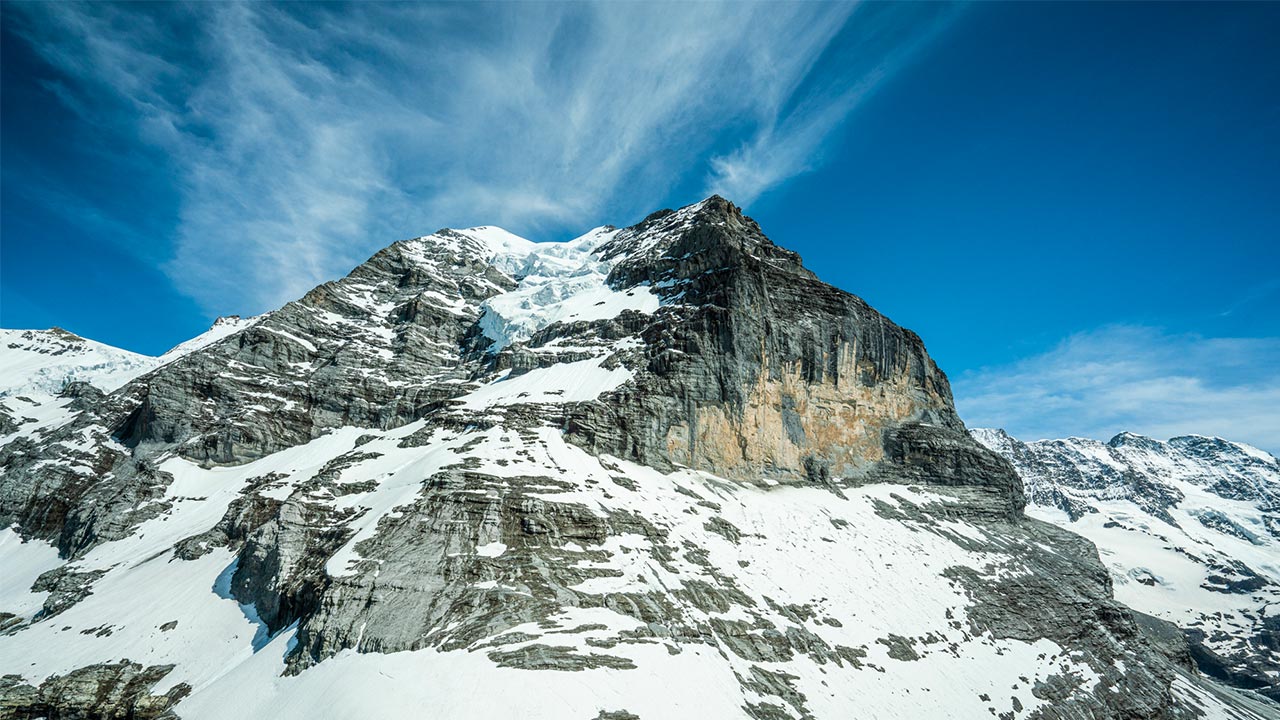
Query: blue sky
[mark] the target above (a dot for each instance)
(1077, 206)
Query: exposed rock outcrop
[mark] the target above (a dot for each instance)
(96, 692)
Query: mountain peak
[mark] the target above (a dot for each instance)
(66, 335)
(1129, 439)
(703, 237)
(1212, 446)
(39, 363)
(719, 205)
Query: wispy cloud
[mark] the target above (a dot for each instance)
(303, 137)
(789, 139)
(1133, 378)
(1252, 295)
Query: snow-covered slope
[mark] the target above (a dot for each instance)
(223, 327)
(1189, 529)
(36, 366)
(655, 472)
(560, 284)
(899, 647)
(43, 362)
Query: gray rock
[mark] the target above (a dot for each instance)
(118, 690)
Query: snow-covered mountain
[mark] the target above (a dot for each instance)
(44, 362)
(43, 372)
(1189, 529)
(656, 472)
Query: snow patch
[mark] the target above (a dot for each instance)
(491, 550)
(579, 381)
(23, 562)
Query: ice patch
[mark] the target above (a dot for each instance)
(39, 363)
(541, 301)
(558, 282)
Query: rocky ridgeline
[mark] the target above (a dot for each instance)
(1189, 529)
(662, 469)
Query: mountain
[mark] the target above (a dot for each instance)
(44, 372)
(36, 366)
(654, 472)
(1189, 530)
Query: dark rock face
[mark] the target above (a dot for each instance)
(1068, 599)
(757, 369)
(334, 358)
(65, 588)
(931, 455)
(706, 460)
(435, 588)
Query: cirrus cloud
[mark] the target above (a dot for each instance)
(302, 137)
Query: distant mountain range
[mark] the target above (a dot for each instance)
(1189, 530)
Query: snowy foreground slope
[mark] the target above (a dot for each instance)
(1189, 530)
(655, 472)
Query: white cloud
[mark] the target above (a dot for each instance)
(1134, 378)
(789, 140)
(303, 140)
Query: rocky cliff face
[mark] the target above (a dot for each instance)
(653, 472)
(1189, 530)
